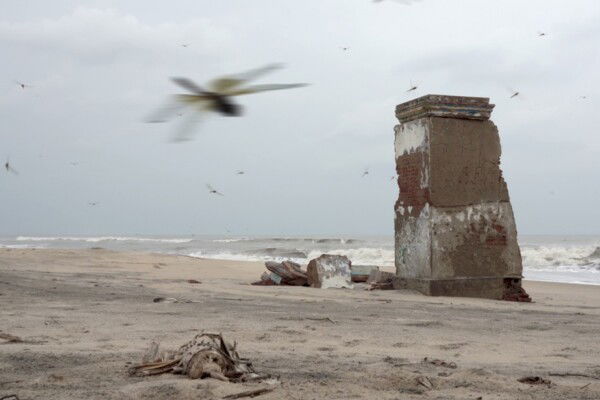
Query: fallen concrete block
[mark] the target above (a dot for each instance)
(360, 273)
(330, 271)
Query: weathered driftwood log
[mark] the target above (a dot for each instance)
(205, 356)
(283, 273)
(329, 271)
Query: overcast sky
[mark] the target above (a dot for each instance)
(97, 68)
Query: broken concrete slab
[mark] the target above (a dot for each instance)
(330, 271)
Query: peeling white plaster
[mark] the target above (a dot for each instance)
(409, 137)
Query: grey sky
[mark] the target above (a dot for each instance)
(99, 67)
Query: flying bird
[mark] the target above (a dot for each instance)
(365, 172)
(515, 94)
(9, 168)
(23, 85)
(240, 172)
(345, 48)
(185, 45)
(413, 87)
(541, 34)
(92, 203)
(217, 98)
(212, 190)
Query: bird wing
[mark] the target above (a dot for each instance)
(263, 88)
(189, 85)
(178, 103)
(225, 83)
(167, 111)
(185, 130)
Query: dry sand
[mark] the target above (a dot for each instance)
(85, 315)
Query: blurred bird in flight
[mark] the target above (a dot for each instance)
(240, 172)
(217, 98)
(365, 172)
(413, 87)
(23, 85)
(9, 168)
(212, 190)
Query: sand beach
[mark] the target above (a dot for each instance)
(85, 316)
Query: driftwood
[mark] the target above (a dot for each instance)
(535, 380)
(284, 273)
(10, 338)
(205, 356)
(249, 393)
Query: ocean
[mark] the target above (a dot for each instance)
(573, 259)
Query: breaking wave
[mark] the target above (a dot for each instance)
(561, 258)
(365, 255)
(100, 239)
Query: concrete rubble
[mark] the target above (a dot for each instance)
(330, 271)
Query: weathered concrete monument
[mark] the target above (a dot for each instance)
(455, 232)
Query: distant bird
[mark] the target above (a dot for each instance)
(92, 204)
(412, 87)
(219, 98)
(345, 48)
(240, 172)
(365, 172)
(212, 190)
(9, 168)
(515, 94)
(23, 85)
(185, 45)
(583, 97)
(74, 163)
(541, 33)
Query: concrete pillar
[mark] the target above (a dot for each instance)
(455, 232)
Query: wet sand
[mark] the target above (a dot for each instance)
(86, 315)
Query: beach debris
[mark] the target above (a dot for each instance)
(193, 281)
(425, 382)
(380, 280)
(361, 273)
(207, 355)
(330, 271)
(218, 98)
(10, 338)
(534, 380)
(440, 363)
(170, 300)
(287, 273)
(249, 393)
(513, 291)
